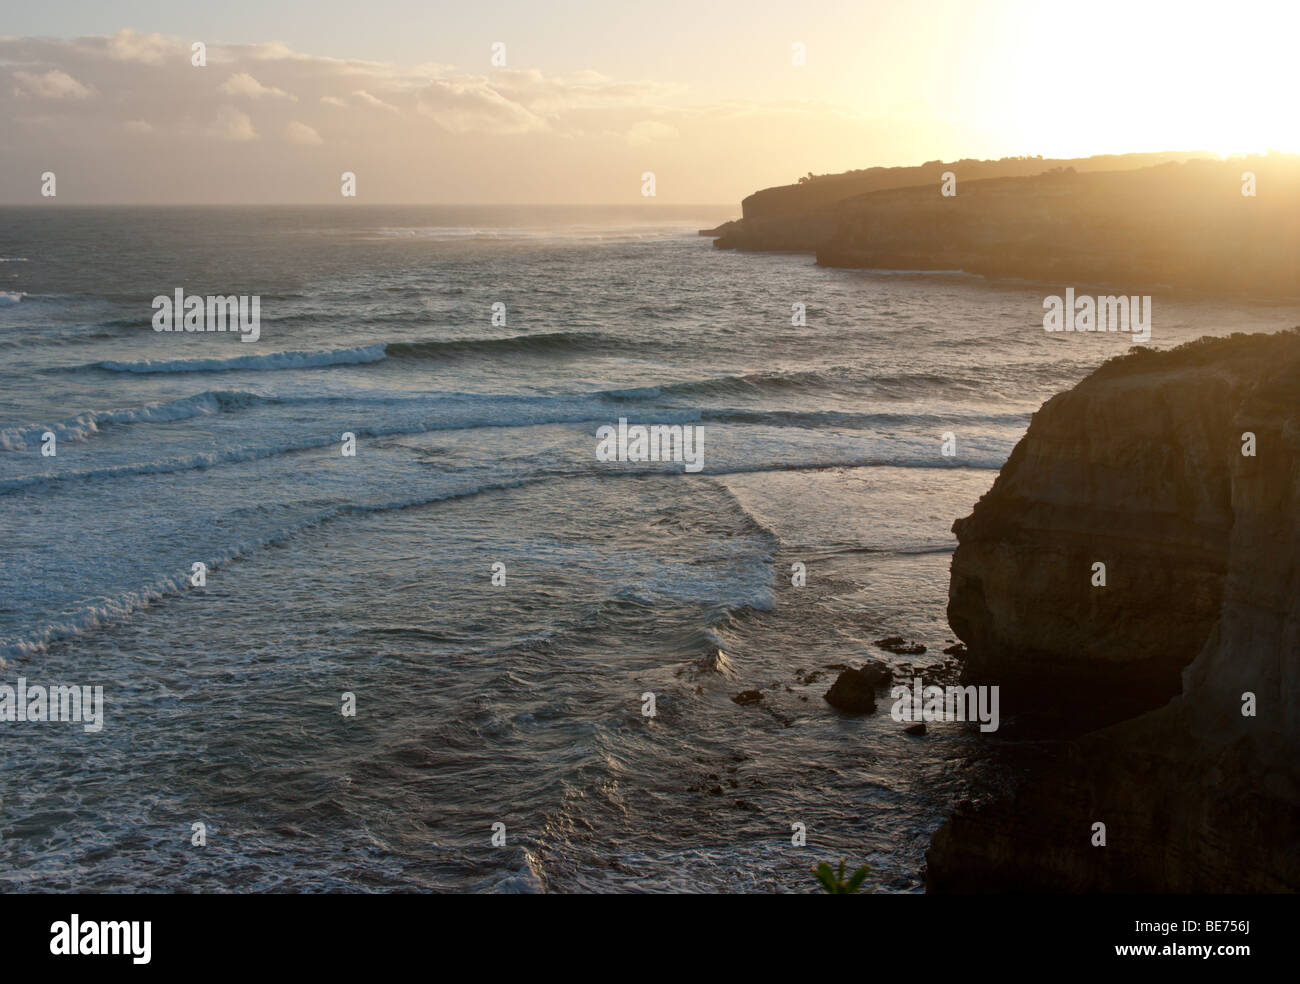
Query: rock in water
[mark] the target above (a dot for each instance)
(900, 646)
(747, 697)
(853, 692)
(877, 673)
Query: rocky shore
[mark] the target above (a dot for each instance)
(1178, 471)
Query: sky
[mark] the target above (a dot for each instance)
(710, 97)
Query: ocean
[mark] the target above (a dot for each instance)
(495, 599)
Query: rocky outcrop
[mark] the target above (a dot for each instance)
(900, 646)
(1141, 467)
(854, 690)
(786, 233)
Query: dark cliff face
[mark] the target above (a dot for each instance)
(1141, 467)
(1129, 470)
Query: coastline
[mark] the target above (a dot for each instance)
(1193, 224)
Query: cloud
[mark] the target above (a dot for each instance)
(553, 97)
(147, 49)
(232, 125)
(466, 105)
(417, 133)
(244, 84)
(301, 133)
(649, 132)
(375, 101)
(151, 76)
(269, 50)
(54, 84)
(586, 76)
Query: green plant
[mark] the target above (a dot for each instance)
(835, 883)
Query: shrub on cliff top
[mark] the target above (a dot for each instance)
(1201, 351)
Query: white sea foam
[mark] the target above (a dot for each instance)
(85, 425)
(108, 610)
(270, 361)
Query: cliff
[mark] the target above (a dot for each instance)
(805, 216)
(1173, 224)
(1140, 467)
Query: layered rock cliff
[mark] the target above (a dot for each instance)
(1140, 467)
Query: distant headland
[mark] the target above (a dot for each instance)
(1176, 219)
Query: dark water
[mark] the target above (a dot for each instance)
(478, 703)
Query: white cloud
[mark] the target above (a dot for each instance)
(243, 84)
(375, 101)
(301, 133)
(518, 135)
(54, 84)
(270, 50)
(148, 49)
(232, 125)
(466, 105)
(151, 77)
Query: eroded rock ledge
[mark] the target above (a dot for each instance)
(1140, 467)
